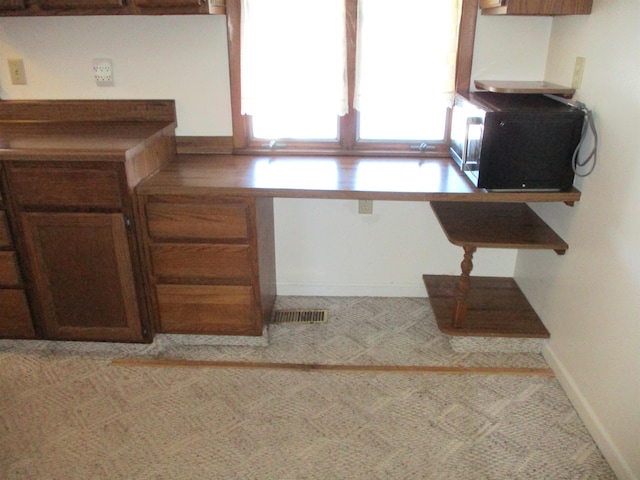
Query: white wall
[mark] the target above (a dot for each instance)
(590, 298)
(511, 48)
(185, 58)
(182, 58)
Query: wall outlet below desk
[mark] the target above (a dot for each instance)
(365, 207)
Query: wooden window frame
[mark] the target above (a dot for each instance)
(348, 143)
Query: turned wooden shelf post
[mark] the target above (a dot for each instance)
(460, 310)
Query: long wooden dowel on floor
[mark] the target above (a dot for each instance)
(305, 367)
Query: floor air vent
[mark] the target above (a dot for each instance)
(300, 316)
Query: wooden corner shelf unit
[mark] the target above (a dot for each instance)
(488, 306)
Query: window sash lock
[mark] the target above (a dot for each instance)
(422, 147)
(273, 144)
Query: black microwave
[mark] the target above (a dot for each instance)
(504, 141)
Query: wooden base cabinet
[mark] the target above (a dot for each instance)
(77, 238)
(211, 263)
(70, 259)
(79, 249)
(15, 316)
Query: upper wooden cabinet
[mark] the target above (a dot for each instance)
(80, 4)
(110, 7)
(536, 7)
(158, 7)
(12, 6)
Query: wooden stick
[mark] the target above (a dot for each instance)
(304, 367)
(460, 309)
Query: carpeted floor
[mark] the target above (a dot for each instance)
(67, 412)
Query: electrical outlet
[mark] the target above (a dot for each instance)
(16, 69)
(578, 72)
(365, 206)
(103, 72)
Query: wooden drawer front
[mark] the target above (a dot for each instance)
(15, 319)
(206, 309)
(203, 261)
(9, 273)
(5, 235)
(198, 221)
(65, 187)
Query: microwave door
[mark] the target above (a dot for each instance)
(471, 145)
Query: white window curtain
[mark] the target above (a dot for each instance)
(406, 54)
(293, 56)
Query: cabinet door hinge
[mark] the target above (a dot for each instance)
(127, 222)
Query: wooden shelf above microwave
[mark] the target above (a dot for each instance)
(509, 86)
(536, 7)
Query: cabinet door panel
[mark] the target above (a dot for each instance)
(207, 309)
(15, 319)
(83, 277)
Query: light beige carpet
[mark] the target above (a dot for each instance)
(66, 412)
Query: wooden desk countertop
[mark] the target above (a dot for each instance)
(367, 178)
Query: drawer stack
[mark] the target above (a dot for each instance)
(208, 273)
(15, 318)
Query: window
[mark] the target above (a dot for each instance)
(376, 77)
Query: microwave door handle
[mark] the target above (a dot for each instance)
(465, 148)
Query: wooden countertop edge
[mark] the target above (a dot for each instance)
(480, 196)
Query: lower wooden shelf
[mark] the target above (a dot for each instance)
(496, 307)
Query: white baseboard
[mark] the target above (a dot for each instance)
(602, 438)
(338, 290)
